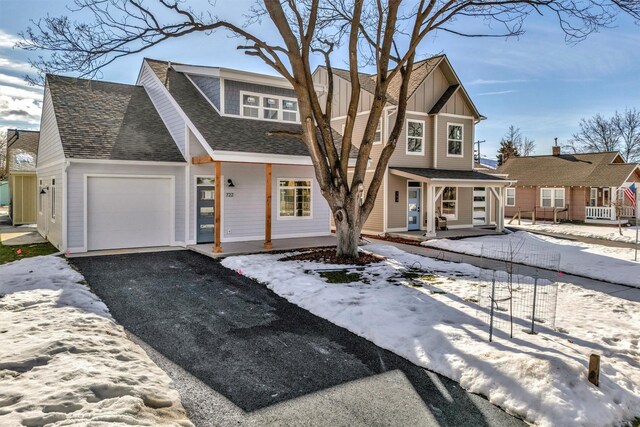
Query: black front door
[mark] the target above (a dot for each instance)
(205, 214)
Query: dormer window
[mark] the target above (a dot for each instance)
(269, 107)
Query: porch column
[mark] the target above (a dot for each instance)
(431, 210)
(217, 248)
(499, 196)
(613, 202)
(267, 213)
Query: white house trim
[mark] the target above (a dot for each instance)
(289, 218)
(456, 116)
(424, 138)
(449, 124)
(126, 162)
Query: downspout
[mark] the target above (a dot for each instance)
(65, 193)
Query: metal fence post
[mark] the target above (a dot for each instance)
(493, 291)
(533, 311)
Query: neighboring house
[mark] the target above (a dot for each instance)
(431, 171)
(584, 187)
(22, 153)
(180, 158)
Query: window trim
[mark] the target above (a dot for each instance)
(289, 218)
(592, 197)
(52, 196)
(378, 141)
(553, 198)
(261, 107)
(457, 199)
(449, 124)
(424, 128)
(506, 197)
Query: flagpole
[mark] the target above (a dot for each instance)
(637, 209)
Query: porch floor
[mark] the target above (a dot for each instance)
(456, 233)
(256, 246)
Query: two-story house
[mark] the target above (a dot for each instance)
(431, 172)
(180, 158)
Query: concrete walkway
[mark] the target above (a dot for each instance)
(18, 235)
(627, 292)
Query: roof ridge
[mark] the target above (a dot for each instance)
(80, 79)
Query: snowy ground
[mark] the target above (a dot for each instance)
(542, 378)
(64, 361)
(581, 230)
(595, 261)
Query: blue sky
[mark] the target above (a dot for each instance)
(537, 82)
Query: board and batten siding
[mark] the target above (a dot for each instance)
(341, 93)
(50, 145)
(51, 230)
(166, 109)
(232, 89)
(76, 202)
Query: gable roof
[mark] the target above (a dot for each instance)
(103, 120)
(22, 150)
(586, 169)
(227, 133)
(421, 70)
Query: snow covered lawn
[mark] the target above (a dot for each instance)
(64, 361)
(542, 378)
(581, 230)
(595, 261)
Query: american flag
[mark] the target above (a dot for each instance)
(630, 192)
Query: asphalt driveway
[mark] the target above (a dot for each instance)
(259, 351)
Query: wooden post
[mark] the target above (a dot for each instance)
(217, 248)
(594, 369)
(267, 212)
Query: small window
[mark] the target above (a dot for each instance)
(415, 137)
(552, 198)
(454, 140)
(53, 199)
(251, 106)
(511, 197)
(449, 206)
(270, 108)
(294, 198)
(201, 180)
(290, 110)
(377, 137)
(593, 197)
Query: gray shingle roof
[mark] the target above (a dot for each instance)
(229, 133)
(102, 120)
(22, 150)
(588, 169)
(440, 103)
(448, 174)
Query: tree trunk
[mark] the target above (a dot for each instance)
(348, 239)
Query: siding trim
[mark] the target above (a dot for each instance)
(126, 162)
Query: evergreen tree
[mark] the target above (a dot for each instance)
(506, 151)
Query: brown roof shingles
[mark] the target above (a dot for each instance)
(587, 169)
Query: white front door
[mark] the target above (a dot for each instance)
(479, 206)
(128, 212)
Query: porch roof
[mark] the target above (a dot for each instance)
(447, 175)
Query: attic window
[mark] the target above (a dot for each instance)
(269, 107)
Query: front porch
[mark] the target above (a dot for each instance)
(257, 246)
(608, 214)
(453, 234)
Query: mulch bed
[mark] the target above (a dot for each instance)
(393, 239)
(328, 256)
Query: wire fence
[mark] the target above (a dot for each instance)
(513, 298)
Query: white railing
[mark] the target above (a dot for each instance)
(600, 212)
(628, 212)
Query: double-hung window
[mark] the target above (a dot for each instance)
(593, 197)
(454, 140)
(511, 197)
(377, 137)
(415, 137)
(269, 107)
(294, 198)
(449, 205)
(552, 198)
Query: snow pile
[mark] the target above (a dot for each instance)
(63, 360)
(591, 231)
(542, 378)
(598, 262)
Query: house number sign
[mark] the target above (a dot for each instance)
(229, 194)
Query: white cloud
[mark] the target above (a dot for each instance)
(20, 93)
(9, 64)
(16, 81)
(500, 92)
(7, 40)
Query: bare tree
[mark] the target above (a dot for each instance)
(627, 125)
(596, 134)
(522, 144)
(3, 153)
(385, 34)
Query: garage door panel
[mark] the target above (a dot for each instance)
(124, 212)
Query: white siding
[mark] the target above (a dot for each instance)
(76, 202)
(166, 109)
(50, 145)
(243, 214)
(51, 230)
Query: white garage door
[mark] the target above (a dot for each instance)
(124, 212)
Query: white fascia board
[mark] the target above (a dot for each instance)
(126, 162)
(283, 159)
